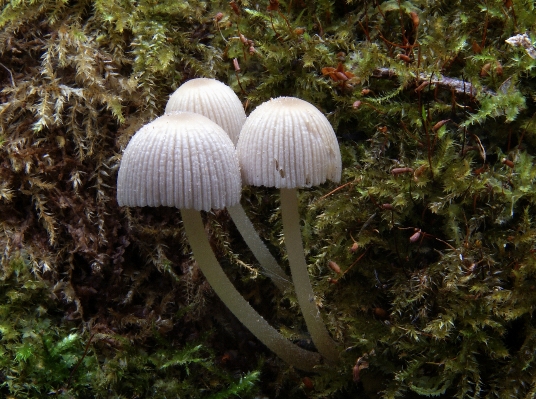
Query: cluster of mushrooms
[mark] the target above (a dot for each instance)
(197, 156)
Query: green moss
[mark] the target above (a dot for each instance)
(43, 354)
(438, 292)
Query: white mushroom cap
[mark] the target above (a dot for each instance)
(183, 160)
(288, 143)
(213, 99)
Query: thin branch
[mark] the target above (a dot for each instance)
(10, 74)
(457, 85)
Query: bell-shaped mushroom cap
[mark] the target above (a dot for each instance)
(288, 143)
(183, 160)
(213, 99)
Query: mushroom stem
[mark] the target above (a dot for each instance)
(300, 276)
(209, 265)
(255, 244)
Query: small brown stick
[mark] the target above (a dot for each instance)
(274, 6)
(320, 28)
(409, 133)
(405, 46)
(364, 30)
(429, 145)
(484, 33)
(217, 18)
(353, 264)
(10, 74)
(288, 23)
(80, 360)
(514, 16)
(335, 190)
(401, 19)
(273, 27)
(457, 85)
(444, 242)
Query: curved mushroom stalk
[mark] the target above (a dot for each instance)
(298, 268)
(258, 248)
(288, 143)
(269, 336)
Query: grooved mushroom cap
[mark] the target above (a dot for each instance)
(288, 143)
(183, 160)
(213, 99)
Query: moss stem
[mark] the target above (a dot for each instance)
(255, 244)
(209, 265)
(300, 276)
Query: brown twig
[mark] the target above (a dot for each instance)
(484, 33)
(335, 190)
(457, 85)
(79, 361)
(10, 74)
(353, 264)
(404, 46)
(365, 30)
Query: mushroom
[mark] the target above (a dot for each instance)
(213, 99)
(288, 143)
(187, 161)
(219, 103)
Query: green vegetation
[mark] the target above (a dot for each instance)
(432, 226)
(43, 355)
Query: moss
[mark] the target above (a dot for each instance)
(44, 354)
(436, 126)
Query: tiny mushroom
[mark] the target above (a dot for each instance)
(219, 103)
(213, 99)
(187, 161)
(288, 143)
